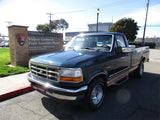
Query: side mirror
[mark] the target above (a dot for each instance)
(132, 46)
(126, 49)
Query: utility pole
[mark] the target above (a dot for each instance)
(145, 24)
(50, 16)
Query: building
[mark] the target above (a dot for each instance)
(101, 26)
(92, 28)
(70, 35)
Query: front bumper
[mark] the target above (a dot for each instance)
(57, 92)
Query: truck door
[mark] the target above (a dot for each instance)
(122, 60)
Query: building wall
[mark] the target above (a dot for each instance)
(101, 27)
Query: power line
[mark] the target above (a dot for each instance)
(150, 26)
(73, 11)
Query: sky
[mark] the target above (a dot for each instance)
(79, 13)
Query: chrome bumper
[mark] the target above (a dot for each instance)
(55, 88)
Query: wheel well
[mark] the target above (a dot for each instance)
(103, 76)
(143, 59)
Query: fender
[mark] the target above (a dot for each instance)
(96, 74)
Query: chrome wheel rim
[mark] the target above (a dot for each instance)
(96, 94)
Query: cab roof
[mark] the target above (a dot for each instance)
(101, 33)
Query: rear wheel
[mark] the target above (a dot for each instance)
(96, 94)
(139, 71)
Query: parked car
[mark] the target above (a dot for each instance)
(4, 44)
(89, 63)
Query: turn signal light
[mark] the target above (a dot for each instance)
(71, 79)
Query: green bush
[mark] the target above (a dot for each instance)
(150, 44)
(139, 44)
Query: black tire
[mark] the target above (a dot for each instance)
(139, 71)
(95, 95)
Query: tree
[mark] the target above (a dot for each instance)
(54, 26)
(61, 24)
(127, 26)
(43, 28)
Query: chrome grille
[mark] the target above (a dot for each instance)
(44, 71)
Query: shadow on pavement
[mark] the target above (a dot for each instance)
(135, 99)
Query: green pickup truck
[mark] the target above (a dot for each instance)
(89, 63)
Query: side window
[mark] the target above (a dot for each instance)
(120, 41)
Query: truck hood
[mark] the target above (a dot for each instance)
(70, 58)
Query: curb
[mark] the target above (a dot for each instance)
(16, 92)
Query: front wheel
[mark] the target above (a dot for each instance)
(96, 94)
(139, 71)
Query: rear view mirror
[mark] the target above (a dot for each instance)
(126, 49)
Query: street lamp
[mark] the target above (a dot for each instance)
(97, 19)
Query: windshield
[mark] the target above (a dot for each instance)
(93, 42)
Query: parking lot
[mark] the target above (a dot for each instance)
(136, 99)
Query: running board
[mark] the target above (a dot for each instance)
(119, 79)
(122, 80)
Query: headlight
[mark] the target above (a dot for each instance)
(71, 75)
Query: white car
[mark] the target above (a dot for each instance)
(4, 44)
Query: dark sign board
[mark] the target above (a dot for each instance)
(40, 42)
